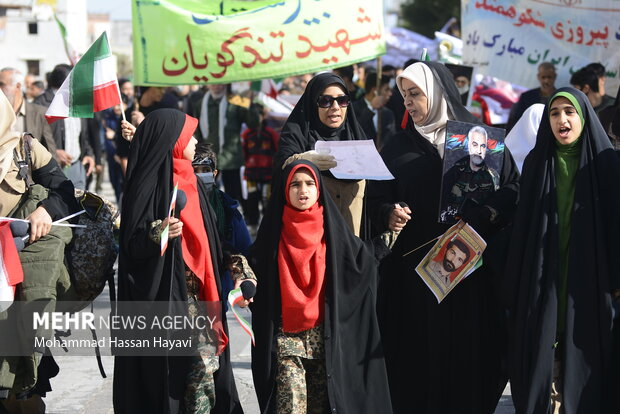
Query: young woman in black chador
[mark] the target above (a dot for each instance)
(563, 272)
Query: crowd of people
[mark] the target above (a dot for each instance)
(342, 322)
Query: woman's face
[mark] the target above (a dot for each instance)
(416, 102)
(335, 115)
(190, 150)
(565, 121)
(302, 191)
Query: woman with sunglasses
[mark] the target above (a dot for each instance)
(322, 115)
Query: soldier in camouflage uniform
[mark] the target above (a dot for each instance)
(32, 187)
(470, 178)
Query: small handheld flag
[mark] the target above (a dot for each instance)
(235, 296)
(11, 272)
(164, 234)
(90, 87)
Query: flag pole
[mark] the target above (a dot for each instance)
(118, 89)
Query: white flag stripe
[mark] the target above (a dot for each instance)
(104, 72)
(60, 105)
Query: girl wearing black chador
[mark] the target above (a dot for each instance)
(317, 338)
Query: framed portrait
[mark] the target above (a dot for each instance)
(472, 164)
(454, 257)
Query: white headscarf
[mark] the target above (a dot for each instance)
(8, 137)
(522, 137)
(434, 126)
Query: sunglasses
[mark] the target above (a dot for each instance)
(326, 101)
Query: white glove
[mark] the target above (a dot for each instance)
(322, 162)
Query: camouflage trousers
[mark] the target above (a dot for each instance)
(301, 385)
(200, 389)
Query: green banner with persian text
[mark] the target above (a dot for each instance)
(181, 42)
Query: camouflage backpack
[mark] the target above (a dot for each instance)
(92, 252)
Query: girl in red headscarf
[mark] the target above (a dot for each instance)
(317, 339)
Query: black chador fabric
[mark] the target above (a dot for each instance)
(585, 350)
(441, 358)
(157, 384)
(304, 128)
(356, 377)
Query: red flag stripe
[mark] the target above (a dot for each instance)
(10, 257)
(105, 96)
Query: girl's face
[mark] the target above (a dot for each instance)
(565, 121)
(416, 102)
(334, 115)
(302, 191)
(190, 150)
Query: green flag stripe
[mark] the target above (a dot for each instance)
(63, 30)
(81, 84)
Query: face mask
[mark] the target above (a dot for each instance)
(463, 89)
(392, 83)
(355, 78)
(207, 179)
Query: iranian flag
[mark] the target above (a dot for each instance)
(71, 53)
(90, 87)
(267, 86)
(11, 272)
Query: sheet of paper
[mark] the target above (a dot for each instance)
(357, 160)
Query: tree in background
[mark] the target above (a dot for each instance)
(428, 16)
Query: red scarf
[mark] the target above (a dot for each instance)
(301, 263)
(195, 244)
(194, 240)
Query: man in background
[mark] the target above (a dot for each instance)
(222, 115)
(30, 117)
(76, 139)
(589, 81)
(546, 78)
(374, 101)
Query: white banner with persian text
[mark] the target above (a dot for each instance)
(508, 39)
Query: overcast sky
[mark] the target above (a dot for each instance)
(118, 9)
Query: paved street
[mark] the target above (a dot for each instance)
(79, 388)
